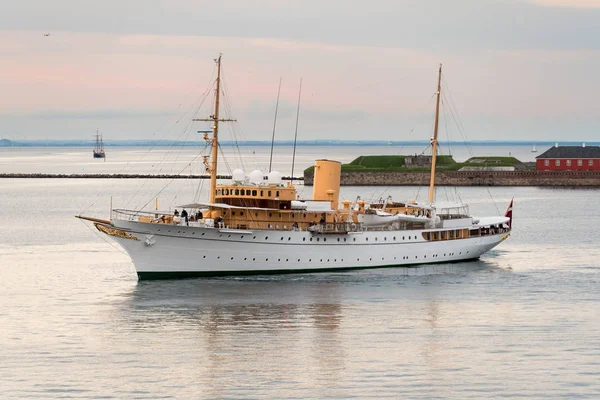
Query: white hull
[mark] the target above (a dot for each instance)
(164, 251)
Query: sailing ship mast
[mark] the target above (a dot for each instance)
(434, 140)
(215, 139)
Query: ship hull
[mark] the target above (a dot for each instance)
(161, 251)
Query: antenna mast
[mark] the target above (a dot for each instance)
(296, 132)
(274, 123)
(434, 140)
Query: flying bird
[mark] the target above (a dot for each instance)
(46, 34)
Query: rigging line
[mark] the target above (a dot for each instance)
(130, 165)
(275, 123)
(169, 150)
(296, 132)
(232, 128)
(201, 99)
(460, 129)
(168, 183)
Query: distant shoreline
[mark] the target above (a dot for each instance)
(7, 143)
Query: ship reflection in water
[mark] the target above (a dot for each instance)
(296, 330)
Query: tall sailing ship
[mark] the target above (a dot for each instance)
(254, 225)
(99, 147)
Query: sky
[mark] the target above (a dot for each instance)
(137, 69)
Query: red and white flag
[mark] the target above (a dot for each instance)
(509, 213)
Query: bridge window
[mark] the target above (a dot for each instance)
(579, 163)
(557, 163)
(237, 192)
(547, 163)
(254, 192)
(568, 163)
(591, 163)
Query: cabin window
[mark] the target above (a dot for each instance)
(443, 235)
(269, 193)
(435, 236)
(241, 213)
(579, 163)
(233, 213)
(256, 214)
(557, 163)
(568, 163)
(254, 192)
(451, 234)
(261, 193)
(270, 214)
(547, 163)
(226, 191)
(237, 192)
(277, 193)
(591, 163)
(244, 192)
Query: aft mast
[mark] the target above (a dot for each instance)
(215, 139)
(434, 141)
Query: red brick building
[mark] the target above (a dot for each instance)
(569, 158)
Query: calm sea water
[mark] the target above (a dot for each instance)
(522, 322)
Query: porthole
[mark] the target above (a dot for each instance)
(376, 239)
(317, 239)
(402, 237)
(354, 239)
(344, 239)
(367, 239)
(298, 260)
(282, 238)
(202, 233)
(218, 257)
(289, 238)
(203, 256)
(286, 260)
(311, 239)
(241, 237)
(245, 258)
(266, 259)
(338, 239)
(324, 239)
(266, 237)
(304, 239)
(232, 258)
(254, 259)
(394, 237)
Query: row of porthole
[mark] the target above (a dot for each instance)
(335, 259)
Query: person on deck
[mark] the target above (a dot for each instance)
(184, 215)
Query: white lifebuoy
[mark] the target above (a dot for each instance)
(353, 227)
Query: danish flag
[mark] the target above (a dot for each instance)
(509, 213)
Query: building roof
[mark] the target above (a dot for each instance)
(571, 152)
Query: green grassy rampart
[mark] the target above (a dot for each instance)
(444, 163)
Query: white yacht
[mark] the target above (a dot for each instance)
(254, 225)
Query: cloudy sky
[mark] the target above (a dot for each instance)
(136, 69)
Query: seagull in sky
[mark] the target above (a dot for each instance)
(46, 34)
